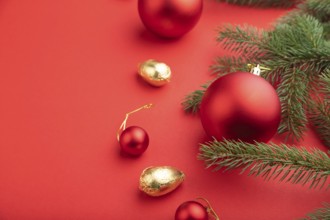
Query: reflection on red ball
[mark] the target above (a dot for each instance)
(170, 18)
(241, 106)
(191, 210)
(134, 140)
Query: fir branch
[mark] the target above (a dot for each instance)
(270, 161)
(244, 40)
(326, 27)
(320, 9)
(227, 64)
(191, 102)
(325, 84)
(264, 3)
(301, 32)
(320, 119)
(320, 214)
(293, 95)
(319, 110)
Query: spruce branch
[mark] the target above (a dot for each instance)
(228, 64)
(325, 84)
(319, 116)
(264, 3)
(320, 214)
(319, 110)
(270, 161)
(191, 102)
(245, 40)
(293, 97)
(320, 9)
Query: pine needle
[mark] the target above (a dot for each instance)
(271, 161)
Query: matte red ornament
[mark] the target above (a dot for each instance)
(134, 140)
(170, 18)
(241, 106)
(191, 210)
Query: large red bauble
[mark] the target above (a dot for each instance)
(170, 18)
(241, 106)
(191, 210)
(134, 140)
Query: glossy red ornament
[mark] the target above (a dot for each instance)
(170, 18)
(241, 106)
(134, 140)
(191, 210)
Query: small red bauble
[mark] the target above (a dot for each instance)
(241, 106)
(134, 140)
(191, 210)
(170, 18)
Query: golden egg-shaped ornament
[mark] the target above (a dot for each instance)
(155, 73)
(160, 180)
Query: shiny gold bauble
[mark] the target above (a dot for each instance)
(155, 73)
(158, 181)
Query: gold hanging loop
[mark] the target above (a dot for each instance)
(209, 208)
(123, 125)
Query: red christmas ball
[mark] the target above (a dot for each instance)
(170, 18)
(191, 210)
(241, 106)
(134, 140)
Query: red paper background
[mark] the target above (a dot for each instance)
(68, 76)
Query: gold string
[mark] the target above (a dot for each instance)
(209, 208)
(123, 125)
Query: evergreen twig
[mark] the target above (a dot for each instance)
(264, 3)
(320, 120)
(191, 102)
(293, 95)
(270, 161)
(320, 9)
(320, 214)
(226, 64)
(319, 111)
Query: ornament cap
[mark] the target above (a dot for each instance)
(256, 69)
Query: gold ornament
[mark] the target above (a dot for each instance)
(155, 73)
(158, 181)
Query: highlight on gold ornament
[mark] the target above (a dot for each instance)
(160, 180)
(133, 140)
(155, 73)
